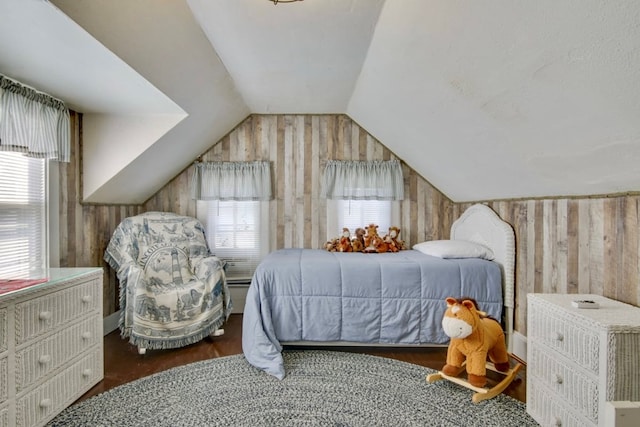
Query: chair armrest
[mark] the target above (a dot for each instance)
(205, 266)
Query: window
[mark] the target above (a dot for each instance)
(237, 232)
(360, 193)
(233, 207)
(360, 213)
(23, 214)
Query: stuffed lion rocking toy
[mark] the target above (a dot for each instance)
(477, 343)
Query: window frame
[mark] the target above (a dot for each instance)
(205, 215)
(335, 206)
(30, 267)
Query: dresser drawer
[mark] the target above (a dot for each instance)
(566, 336)
(47, 400)
(572, 385)
(4, 379)
(4, 329)
(548, 409)
(40, 315)
(35, 362)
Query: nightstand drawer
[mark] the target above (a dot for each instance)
(549, 409)
(46, 313)
(43, 402)
(579, 359)
(48, 354)
(573, 386)
(555, 330)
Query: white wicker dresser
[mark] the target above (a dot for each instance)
(51, 345)
(577, 359)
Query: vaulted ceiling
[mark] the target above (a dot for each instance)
(491, 99)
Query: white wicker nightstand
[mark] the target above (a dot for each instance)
(577, 359)
(51, 345)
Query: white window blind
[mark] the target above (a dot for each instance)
(360, 213)
(23, 212)
(236, 232)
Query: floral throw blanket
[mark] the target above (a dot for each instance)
(173, 291)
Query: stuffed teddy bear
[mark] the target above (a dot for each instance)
(474, 337)
(344, 244)
(370, 238)
(357, 243)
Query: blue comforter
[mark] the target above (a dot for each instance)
(390, 298)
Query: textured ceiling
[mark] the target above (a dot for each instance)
(487, 100)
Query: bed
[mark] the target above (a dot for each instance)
(315, 297)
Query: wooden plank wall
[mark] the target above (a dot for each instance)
(588, 245)
(298, 147)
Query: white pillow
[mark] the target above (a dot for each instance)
(454, 249)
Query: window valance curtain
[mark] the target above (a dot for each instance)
(33, 123)
(232, 181)
(363, 180)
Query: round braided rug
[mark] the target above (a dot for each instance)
(328, 388)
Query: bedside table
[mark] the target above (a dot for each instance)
(578, 358)
(51, 345)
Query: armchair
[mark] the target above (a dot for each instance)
(173, 291)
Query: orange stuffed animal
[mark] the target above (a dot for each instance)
(474, 337)
(395, 243)
(331, 245)
(357, 243)
(344, 244)
(380, 244)
(370, 238)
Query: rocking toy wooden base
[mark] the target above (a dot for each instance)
(481, 393)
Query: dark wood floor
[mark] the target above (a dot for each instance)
(123, 364)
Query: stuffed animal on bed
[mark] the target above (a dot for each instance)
(380, 244)
(370, 238)
(393, 238)
(344, 244)
(357, 243)
(474, 338)
(391, 246)
(331, 245)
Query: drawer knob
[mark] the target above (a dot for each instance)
(558, 379)
(559, 336)
(87, 372)
(44, 315)
(86, 335)
(86, 299)
(45, 403)
(44, 359)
